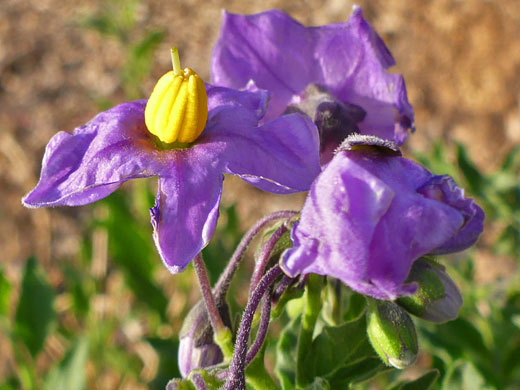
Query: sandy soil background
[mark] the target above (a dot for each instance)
(460, 59)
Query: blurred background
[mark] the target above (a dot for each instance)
(84, 300)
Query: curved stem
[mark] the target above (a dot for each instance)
(265, 255)
(221, 333)
(262, 329)
(225, 279)
(280, 289)
(236, 376)
(207, 295)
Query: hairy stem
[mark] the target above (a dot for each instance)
(221, 333)
(265, 255)
(226, 277)
(236, 375)
(262, 329)
(198, 381)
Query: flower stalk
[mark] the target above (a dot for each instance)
(236, 375)
(222, 285)
(222, 335)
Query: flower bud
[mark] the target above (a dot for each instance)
(197, 348)
(392, 334)
(437, 298)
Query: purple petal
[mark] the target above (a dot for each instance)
(281, 156)
(96, 159)
(365, 222)
(186, 208)
(444, 189)
(270, 48)
(353, 61)
(251, 98)
(282, 56)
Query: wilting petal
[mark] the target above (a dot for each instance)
(349, 59)
(281, 156)
(186, 207)
(365, 223)
(96, 159)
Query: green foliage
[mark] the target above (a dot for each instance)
(70, 373)
(132, 250)
(35, 312)
(256, 374)
(116, 18)
(498, 192)
(167, 351)
(138, 64)
(338, 346)
(424, 382)
(218, 252)
(285, 368)
(5, 292)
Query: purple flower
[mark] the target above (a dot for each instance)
(371, 213)
(279, 156)
(348, 61)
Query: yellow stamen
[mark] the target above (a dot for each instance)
(177, 110)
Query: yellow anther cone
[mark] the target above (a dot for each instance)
(177, 109)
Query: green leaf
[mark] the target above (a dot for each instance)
(131, 247)
(256, 374)
(168, 366)
(459, 338)
(424, 382)
(512, 160)
(436, 160)
(357, 304)
(5, 291)
(139, 62)
(508, 242)
(285, 368)
(319, 384)
(35, 312)
(116, 18)
(228, 235)
(359, 371)
(462, 375)
(336, 346)
(70, 373)
(475, 180)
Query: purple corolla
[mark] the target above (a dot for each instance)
(279, 156)
(347, 61)
(371, 213)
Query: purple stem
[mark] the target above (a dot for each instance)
(207, 294)
(225, 279)
(262, 329)
(236, 377)
(280, 289)
(198, 381)
(264, 257)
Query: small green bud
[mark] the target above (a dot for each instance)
(392, 334)
(437, 298)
